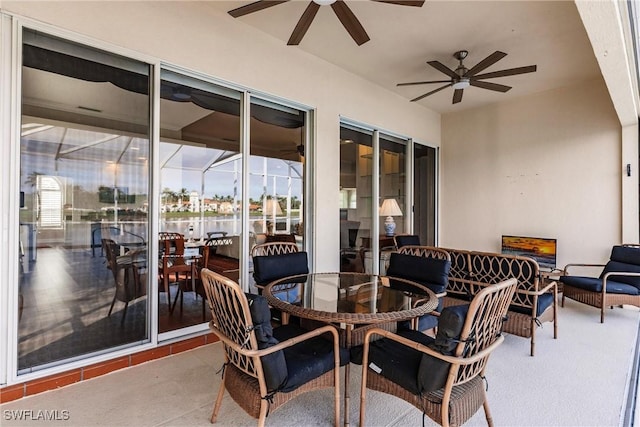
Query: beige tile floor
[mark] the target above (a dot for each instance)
(580, 379)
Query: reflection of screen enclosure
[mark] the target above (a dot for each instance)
(542, 250)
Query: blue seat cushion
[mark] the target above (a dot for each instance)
(308, 359)
(395, 361)
(268, 268)
(274, 365)
(411, 369)
(430, 272)
(544, 301)
(594, 284)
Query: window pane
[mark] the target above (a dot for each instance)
(276, 173)
(356, 167)
(201, 179)
(83, 178)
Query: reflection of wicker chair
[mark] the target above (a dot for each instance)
(172, 262)
(128, 274)
(244, 376)
(460, 393)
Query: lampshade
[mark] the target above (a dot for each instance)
(270, 205)
(324, 2)
(390, 208)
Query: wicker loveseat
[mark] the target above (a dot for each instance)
(533, 304)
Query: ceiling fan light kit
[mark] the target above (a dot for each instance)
(463, 77)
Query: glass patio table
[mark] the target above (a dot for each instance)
(355, 302)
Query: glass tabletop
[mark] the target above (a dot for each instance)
(350, 297)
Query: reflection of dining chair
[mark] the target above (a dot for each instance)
(196, 286)
(128, 274)
(443, 377)
(260, 372)
(172, 262)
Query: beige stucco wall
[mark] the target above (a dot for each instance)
(202, 39)
(546, 165)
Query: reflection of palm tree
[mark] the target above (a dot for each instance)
(183, 194)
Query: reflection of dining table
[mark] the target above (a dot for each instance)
(350, 301)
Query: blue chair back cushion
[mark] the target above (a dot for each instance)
(268, 268)
(622, 267)
(274, 365)
(307, 360)
(407, 240)
(433, 372)
(430, 272)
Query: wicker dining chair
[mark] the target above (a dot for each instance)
(442, 377)
(261, 374)
(172, 262)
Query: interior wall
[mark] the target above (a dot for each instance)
(202, 39)
(546, 165)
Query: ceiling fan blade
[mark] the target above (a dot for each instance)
(443, 69)
(416, 3)
(350, 22)
(509, 72)
(431, 93)
(457, 95)
(303, 24)
(254, 7)
(485, 63)
(422, 83)
(490, 86)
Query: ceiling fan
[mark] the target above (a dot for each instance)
(340, 8)
(463, 77)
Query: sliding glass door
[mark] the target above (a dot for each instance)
(84, 191)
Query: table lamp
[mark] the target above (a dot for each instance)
(390, 209)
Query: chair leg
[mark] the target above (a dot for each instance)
(487, 411)
(533, 335)
(264, 407)
(112, 303)
(218, 402)
(124, 314)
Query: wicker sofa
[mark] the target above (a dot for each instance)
(533, 303)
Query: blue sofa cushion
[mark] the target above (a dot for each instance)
(626, 255)
(395, 361)
(430, 272)
(308, 359)
(433, 372)
(268, 268)
(544, 301)
(594, 284)
(274, 365)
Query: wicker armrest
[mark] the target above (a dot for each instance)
(426, 350)
(280, 346)
(566, 268)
